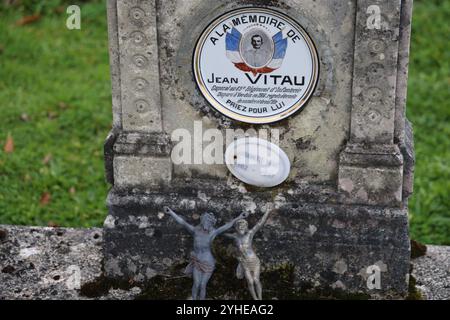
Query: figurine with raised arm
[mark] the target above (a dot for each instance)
(249, 264)
(202, 262)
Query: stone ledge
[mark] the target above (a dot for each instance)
(148, 144)
(432, 273)
(41, 263)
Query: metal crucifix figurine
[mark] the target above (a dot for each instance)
(249, 264)
(202, 262)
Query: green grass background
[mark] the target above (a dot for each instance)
(44, 64)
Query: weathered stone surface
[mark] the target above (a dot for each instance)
(372, 169)
(114, 64)
(139, 66)
(402, 74)
(31, 258)
(409, 159)
(108, 153)
(133, 171)
(307, 233)
(372, 175)
(137, 126)
(46, 263)
(432, 273)
(375, 71)
(137, 143)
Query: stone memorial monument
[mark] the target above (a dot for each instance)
(324, 81)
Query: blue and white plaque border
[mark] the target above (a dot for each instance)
(256, 65)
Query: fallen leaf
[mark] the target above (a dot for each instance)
(11, 3)
(24, 117)
(60, 9)
(72, 190)
(28, 20)
(9, 144)
(52, 115)
(45, 198)
(52, 224)
(47, 158)
(63, 105)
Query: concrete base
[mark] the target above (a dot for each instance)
(38, 263)
(432, 273)
(313, 245)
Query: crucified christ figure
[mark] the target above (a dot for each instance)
(249, 264)
(202, 262)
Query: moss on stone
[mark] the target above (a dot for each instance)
(413, 292)
(101, 286)
(278, 283)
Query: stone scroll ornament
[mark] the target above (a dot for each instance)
(202, 262)
(249, 264)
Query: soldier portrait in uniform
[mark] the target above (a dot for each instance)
(256, 48)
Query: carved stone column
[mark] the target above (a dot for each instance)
(138, 150)
(371, 166)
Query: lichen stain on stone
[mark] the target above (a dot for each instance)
(312, 229)
(28, 252)
(340, 266)
(304, 144)
(279, 282)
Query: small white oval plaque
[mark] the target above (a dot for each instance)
(257, 162)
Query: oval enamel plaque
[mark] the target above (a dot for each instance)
(256, 65)
(257, 162)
